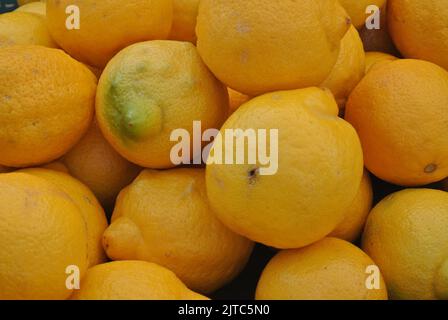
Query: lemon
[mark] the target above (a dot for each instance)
(164, 217)
(94, 162)
(349, 68)
(47, 104)
(132, 280)
(356, 214)
(152, 88)
(419, 30)
(85, 200)
(330, 269)
(318, 174)
(256, 46)
(399, 110)
(24, 28)
(406, 236)
(42, 232)
(106, 26)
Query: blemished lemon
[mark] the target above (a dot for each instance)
(349, 68)
(132, 280)
(107, 26)
(419, 30)
(42, 232)
(400, 110)
(330, 269)
(94, 162)
(93, 214)
(406, 236)
(164, 217)
(149, 90)
(318, 174)
(47, 104)
(37, 7)
(184, 20)
(357, 10)
(256, 46)
(375, 59)
(24, 28)
(356, 214)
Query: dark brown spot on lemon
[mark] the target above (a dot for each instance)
(430, 168)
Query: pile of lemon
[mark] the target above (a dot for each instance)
(91, 91)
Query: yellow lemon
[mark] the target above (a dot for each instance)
(24, 28)
(419, 29)
(400, 110)
(356, 214)
(107, 26)
(184, 20)
(256, 46)
(330, 269)
(47, 104)
(94, 162)
(42, 232)
(164, 217)
(406, 236)
(349, 68)
(374, 59)
(313, 175)
(151, 89)
(132, 280)
(93, 214)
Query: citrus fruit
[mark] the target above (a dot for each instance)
(132, 280)
(236, 99)
(152, 88)
(257, 46)
(93, 214)
(349, 68)
(38, 7)
(42, 232)
(330, 269)
(374, 59)
(94, 162)
(24, 28)
(357, 10)
(406, 236)
(400, 110)
(47, 104)
(164, 217)
(356, 214)
(108, 26)
(184, 20)
(419, 30)
(302, 197)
